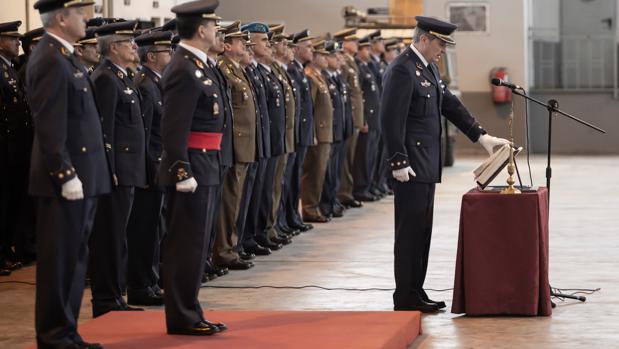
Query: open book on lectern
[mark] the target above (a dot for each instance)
(492, 166)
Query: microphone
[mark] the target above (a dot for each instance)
(499, 82)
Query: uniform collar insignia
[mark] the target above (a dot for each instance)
(64, 51)
(419, 65)
(120, 75)
(199, 63)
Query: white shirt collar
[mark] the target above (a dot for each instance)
(266, 67)
(64, 42)
(120, 68)
(254, 63)
(196, 51)
(283, 65)
(423, 60)
(212, 61)
(6, 61)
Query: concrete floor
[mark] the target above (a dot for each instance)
(356, 252)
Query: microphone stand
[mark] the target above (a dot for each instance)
(553, 109)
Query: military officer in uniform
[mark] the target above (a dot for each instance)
(125, 143)
(413, 100)
(283, 55)
(16, 220)
(304, 123)
(245, 141)
(68, 171)
(367, 144)
(258, 33)
(145, 230)
(317, 159)
(86, 50)
(277, 96)
(350, 72)
(393, 48)
(192, 130)
(328, 200)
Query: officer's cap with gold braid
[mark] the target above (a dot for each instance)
(154, 38)
(127, 28)
(89, 39)
(332, 46)
(50, 5)
(30, 37)
(441, 30)
(393, 44)
(302, 37)
(375, 36)
(319, 47)
(364, 41)
(233, 31)
(348, 34)
(10, 29)
(197, 9)
(277, 33)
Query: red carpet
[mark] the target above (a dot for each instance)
(267, 329)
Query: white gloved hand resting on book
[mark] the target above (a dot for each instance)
(402, 174)
(489, 142)
(187, 186)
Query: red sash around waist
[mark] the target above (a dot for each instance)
(204, 140)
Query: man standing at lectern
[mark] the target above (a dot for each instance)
(413, 100)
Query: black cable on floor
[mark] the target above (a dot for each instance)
(316, 287)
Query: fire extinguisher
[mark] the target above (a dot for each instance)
(500, 94)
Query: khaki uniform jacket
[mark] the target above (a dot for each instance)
(282, 76)
(323, 107)
(243, 111)
(351, 75)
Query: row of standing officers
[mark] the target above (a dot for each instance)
(212, 142)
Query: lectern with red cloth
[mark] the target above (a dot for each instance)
(502, 261)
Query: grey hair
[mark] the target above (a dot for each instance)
(104, 43)
(48, 19)
(419, 33)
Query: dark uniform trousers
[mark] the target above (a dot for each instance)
(145, 232)
(189, 218)
(108, 245)
(62, 235)
(332, 178)
(244, 208)
(414, 207)
(252, 224)
(276, 195)
(293, 195)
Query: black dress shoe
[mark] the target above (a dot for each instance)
(239, 265)
(289, 231)
(281, 240)
(144, 298)
(199, 329)
(86, 345)
(337, 213)
(258, 250)
(247, 256)
(421, 306)
(269, 244)
(220, 326)
(379, 194)
(5, 272)
(12, 266)
(425, 298)
(221, 271)
(315, 219)
(102, 309)
(352, 204)
(303, 227)
(366, 197)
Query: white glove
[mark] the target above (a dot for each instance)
(402, 174)
(72, 189)
(187, 186)
(489, 142)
